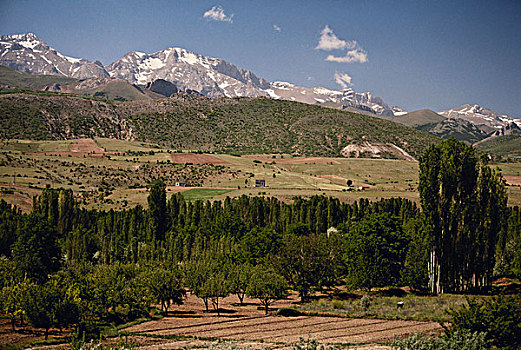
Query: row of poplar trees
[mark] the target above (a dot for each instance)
(464, 202)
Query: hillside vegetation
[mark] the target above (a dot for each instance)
(506, 146)
(242, 125)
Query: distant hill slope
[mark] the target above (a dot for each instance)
(418, 118)
(15, 79)
(460, 129)
(505, 146)
(247, 125)
(444, 127)
(107, 88)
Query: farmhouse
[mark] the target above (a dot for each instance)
(260, 183)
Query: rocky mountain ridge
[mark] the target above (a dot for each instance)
(189, 71)
(212, 77)
(30, 54)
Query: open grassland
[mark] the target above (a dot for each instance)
(419, 308)
(106, 173)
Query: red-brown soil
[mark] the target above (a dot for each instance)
(513, 180)
(85, 146)
(23, 334)
(197, 159)
(248, 323)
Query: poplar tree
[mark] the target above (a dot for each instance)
(157, 209)
(464, 203)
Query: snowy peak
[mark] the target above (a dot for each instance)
(189, 71)
(30, 54)
(29, 40)
(346, 98)
(480, 116)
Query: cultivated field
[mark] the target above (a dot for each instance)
(248, 325)
(106, 173)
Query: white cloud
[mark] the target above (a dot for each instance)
(276, 28)
(216, 13)
(356, 55)
(343, 79)
(329, 41)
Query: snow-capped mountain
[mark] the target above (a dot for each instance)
(480, 116)
(187, 70)
(319, 95)
(30, 54)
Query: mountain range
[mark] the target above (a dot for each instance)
(189, 71)
(142, 76)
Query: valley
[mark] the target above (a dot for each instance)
(108, 173)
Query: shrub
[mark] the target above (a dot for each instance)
(365, 302)
(455, 341)
(499, 317)
(337, 304)
(289, 312)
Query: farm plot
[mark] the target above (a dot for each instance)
(197, 159)
(80, 148)
(248, 324)
(276, 329)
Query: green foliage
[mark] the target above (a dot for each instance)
(13, 293)
(374, 252)
(309, 261)
(8, 219)
(464, 203)
(207, 281)
(52, 305)
(415, 272)
(164, 285)
(456, 341)
(157, 209)
(248, 125)
(267, 286)
(365, 302)
(36, 250)
(239, 276)
(498, 317)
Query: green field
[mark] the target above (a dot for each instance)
(203, 193)
(120, 181)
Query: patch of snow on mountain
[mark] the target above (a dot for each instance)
(153, 63)
(272, 94)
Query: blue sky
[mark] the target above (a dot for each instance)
(414, 54)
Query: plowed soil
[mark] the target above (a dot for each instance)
(249, 325)
(513, 180)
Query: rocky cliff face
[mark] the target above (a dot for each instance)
(210, 76)
(30, 54)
